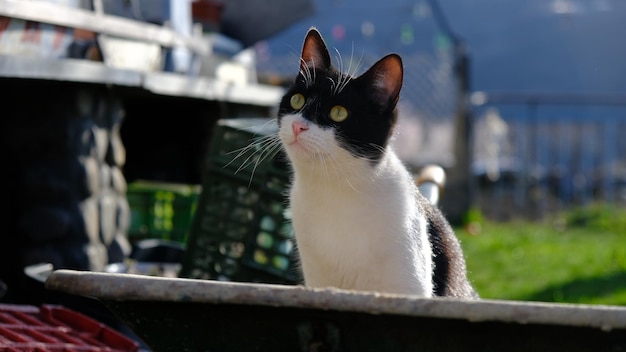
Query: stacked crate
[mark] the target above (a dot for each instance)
(241, 230)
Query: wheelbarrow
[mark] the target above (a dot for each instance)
(175, 314)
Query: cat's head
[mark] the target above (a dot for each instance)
(327, 113)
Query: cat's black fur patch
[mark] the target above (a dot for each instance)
(448, 276)
(367, 129)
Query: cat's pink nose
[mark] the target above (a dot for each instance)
(299, 127)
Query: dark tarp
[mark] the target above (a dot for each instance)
(250, 21)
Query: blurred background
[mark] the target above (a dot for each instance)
(121, 117)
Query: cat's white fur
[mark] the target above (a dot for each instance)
(357, 225)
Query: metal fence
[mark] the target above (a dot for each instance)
(534, 154)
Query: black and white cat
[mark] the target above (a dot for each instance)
(359, 220)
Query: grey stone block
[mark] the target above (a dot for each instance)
(107, 204)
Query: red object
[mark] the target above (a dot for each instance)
(207, 11)
(54, 328)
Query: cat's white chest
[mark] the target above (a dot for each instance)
(366, 236)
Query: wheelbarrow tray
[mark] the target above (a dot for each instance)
(172, 314)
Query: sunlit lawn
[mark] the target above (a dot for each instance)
(580, 260)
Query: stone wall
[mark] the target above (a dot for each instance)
(64, 193)
(64, 167)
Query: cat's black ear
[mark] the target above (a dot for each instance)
(314, 51)
(385, 78)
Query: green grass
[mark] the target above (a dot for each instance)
(578, 257)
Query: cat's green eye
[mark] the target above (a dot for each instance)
(338, 113)
(297, 101)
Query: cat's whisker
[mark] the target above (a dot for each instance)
(256, 152)
(358, 64)
(345, 78)
(349, 70)
(333, 86)
(334, 173)
(250, 159)
(345, 82)
(337, 86)
(313, 71)
(342, 81)
(353, 72)
(351, 185)
(269, 151)
(261, 146)
(353, 180)
(339, 168)
(319, 158)
(325, 176)
(241, 152)
(339, 59)
(332, 167)
(378, 147)
(304, 77)
(306, 74)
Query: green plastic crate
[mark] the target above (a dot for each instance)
(161, 210)
(241, 231)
